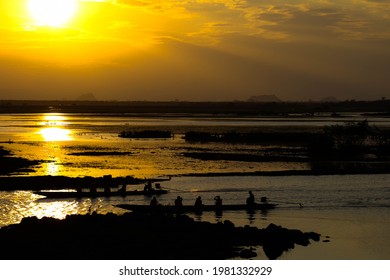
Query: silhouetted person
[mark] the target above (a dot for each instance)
(250, 201)
(198, 202)
(218, 201)
(153, 202)
(93, 188)
(264, 199)
(158, 186)
(107, 189)
(179, 201)
(148, 186)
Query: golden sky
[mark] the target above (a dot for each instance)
(195, 49)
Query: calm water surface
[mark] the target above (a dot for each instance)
(352, 210)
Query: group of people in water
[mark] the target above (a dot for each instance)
(178, 202)
(122, 189)
(250, 201)
(149, 188)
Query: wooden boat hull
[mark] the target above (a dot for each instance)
(188, 208)
(49, 194)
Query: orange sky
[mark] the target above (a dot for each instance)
(197, 50)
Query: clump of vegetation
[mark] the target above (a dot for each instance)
(352, 140)
(145, 134)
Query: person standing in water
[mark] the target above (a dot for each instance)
(179, 201)
(250, 201)
(198, 202)
(218, 201)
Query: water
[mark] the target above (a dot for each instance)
(353, 210)
(55, 138)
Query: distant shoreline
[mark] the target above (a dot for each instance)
(237, 108)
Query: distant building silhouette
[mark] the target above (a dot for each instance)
(264, 98)
(87, 97)
(329, 99)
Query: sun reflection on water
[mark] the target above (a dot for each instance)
(54, 119)
(54, 209)
(55, 134)
(53, 128)
(52, 168)
(19, 204)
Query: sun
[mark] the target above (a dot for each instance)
(54, 13)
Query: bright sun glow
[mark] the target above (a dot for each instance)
(54, 13)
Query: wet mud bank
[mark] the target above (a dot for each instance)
(9, 164)
(34, 183)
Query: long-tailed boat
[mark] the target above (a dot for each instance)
(192, 208)
(75, 194)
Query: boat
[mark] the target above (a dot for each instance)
(75, 194)
(192, 208)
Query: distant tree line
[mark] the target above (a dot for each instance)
(239, 108)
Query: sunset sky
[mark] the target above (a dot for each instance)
(194, 49)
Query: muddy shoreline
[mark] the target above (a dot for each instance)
(34, 183)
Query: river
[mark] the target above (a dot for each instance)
(352, 210)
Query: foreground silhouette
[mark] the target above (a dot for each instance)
(133, 236)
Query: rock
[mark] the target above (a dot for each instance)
(248, 253)
(139, 236)
(276, 240)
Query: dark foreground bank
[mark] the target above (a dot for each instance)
(133, 236)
